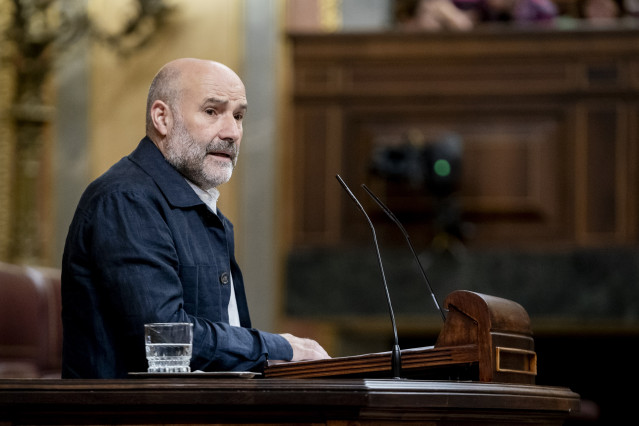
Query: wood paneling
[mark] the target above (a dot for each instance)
(216, 400)
(548, 121)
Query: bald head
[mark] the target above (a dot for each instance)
(173, 80)
(195, 111)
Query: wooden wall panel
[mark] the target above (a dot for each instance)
(512, 182)
(548, 121)
(605, 166)
(316, 157)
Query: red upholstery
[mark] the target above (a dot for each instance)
(30, 322)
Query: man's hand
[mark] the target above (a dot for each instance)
(305, 349)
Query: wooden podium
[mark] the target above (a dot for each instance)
(481, 370)
(335, 402)
(484, 338)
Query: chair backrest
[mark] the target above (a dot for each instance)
(30, 321)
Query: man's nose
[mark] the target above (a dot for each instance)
(230, 129)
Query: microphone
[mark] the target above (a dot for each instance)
(396, 360)
(412, 249)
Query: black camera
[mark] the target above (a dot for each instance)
(435, 164)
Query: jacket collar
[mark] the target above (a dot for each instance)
(171, 182)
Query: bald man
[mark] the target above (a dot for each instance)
(148, 244)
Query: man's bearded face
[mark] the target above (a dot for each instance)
(208, 164)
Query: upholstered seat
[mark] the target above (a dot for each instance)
(30, 322)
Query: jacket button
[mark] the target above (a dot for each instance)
(224, 278)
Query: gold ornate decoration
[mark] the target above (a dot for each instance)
(6, 132)
(330, 15)
(32, 33)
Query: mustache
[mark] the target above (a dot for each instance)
(224, 147)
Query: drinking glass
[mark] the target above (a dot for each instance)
(169, 347)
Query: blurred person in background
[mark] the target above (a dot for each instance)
(509, 10)
(431, 15)
(599, 10)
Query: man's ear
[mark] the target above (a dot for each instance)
(161, 117)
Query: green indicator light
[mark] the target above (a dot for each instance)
(442, 168)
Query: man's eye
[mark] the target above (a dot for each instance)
(239, 117)
(210, 111)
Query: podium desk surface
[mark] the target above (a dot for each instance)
(205, 400)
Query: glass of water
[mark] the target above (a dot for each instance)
(169, 347)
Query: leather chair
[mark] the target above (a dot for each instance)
(30, 322)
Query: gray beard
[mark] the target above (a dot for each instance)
(188, 156)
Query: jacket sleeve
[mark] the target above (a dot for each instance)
(136, 268)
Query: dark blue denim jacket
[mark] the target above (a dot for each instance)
(144, 248)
